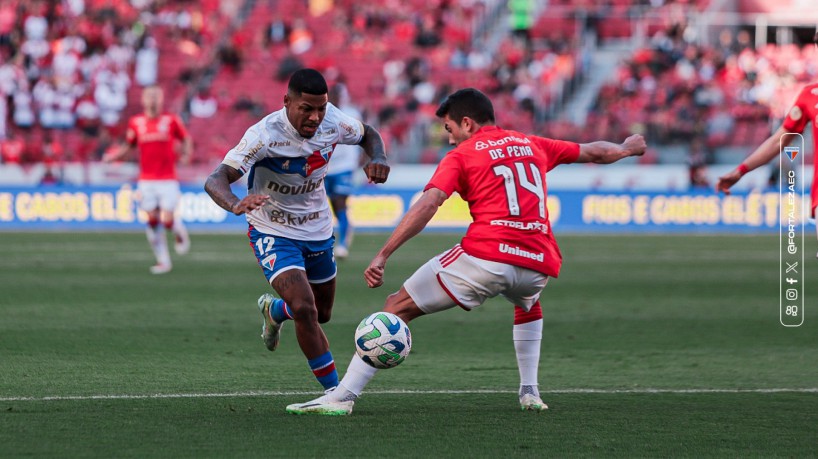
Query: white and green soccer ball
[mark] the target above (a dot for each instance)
(383, 340)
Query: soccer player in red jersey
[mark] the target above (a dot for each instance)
(154, 133)
(802, 112)
(508, 249)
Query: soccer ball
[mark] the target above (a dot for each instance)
(383, 340)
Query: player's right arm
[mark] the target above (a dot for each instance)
(416, 218)
(602, 152)
(218, 187)
(125, 148)
(795, 121)
(123, 151)
(761, 156)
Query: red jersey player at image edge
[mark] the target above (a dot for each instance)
(803, 111)
(154, 133)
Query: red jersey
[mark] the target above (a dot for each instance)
(155, 137)
(501, 174)
(802, 112)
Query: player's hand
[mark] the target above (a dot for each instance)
(111, 155)
(374, 273)
(727, 180)
(377, 170)
(635, 144)
(249, 203)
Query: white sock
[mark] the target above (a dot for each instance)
(158, 243)
(356, 378)
(179, 228)
(527, 339)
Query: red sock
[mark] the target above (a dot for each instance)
(523, 317)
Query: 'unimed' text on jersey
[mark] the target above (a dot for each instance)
(154, 138)
(501, 174)
(802, 112)
(291, 169)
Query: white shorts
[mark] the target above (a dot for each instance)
(162, 194)
(455, 278)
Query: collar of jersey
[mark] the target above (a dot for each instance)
(485, 129)
(288, 127)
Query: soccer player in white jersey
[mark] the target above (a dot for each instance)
(285, 157)
(345, 159)
(508, 249)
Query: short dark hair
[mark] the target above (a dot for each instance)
(467, 102)
(308, 81)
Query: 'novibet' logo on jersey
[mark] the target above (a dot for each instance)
(307, 187)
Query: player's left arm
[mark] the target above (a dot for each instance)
(603, 152)
(416, 218)
(376, 169)
(184, 136)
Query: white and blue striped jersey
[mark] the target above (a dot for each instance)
(291, 169)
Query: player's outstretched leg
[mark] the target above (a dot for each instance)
(527, 338)
(340, 400)
(274, 311)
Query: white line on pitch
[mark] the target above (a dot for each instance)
(400, 391)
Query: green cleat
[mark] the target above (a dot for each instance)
(322, 406)
(531, 402)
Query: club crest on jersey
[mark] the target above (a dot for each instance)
(325, 152)
(318, 159)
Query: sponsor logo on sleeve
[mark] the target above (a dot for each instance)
(279, 143)
(347, 128)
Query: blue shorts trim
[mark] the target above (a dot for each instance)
(277, 254)
(339, 184)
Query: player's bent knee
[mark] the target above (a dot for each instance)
(305, 313)
(402, 305)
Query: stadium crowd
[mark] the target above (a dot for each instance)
(70, 71)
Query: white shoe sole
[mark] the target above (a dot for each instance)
(160, 269)
(324, 409)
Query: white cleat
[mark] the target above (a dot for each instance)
(181, 244)
(270, 330)
(531, 402)
(341, 252)
(161, 268)
(323, 406)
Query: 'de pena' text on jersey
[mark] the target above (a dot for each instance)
(291, 169)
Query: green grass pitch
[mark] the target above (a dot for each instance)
(654, 346)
